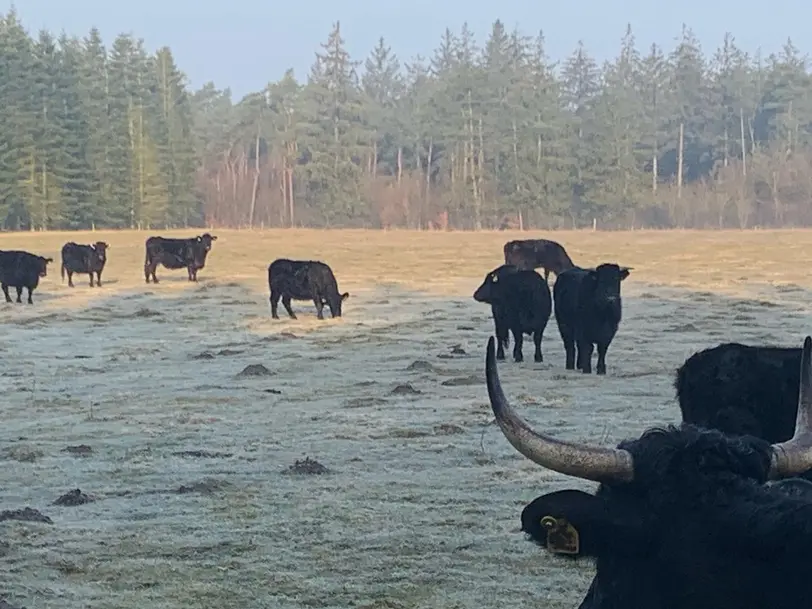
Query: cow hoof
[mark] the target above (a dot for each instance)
(518, 359)
(275, 316)
(538, 359)
(500, 357)
(600, 371)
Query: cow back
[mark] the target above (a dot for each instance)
(741, 389)
(20, 268)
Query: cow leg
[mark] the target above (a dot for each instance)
(502, 341)
(5, 291)
(585, 349)
(91, 278)
(274, 304)
(149, 269)
(518, 340)
(319, 307)
(98, 279)
(70, 279)
(19, 293)
(286, 304)
(30, 300)
(568, 338)
(602, 349)
(537, 334)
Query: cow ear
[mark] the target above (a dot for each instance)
(345, 296)
(574, 523)
(624, 272)
(213, 238)
(49, 260)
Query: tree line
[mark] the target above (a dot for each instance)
(476, 136)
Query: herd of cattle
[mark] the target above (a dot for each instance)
(715, 513)
(287, 279)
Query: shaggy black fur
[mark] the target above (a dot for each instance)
(699, 528)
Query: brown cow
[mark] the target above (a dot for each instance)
(534, 253)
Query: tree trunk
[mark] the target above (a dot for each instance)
(680, 159)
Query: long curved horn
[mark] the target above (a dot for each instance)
(589, 463)
(794, 456)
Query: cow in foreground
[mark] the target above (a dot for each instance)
(535, 253)
(20, 270)
(588, 310)
(684, 517)
(84, 259)
(304, 280)
(520, 303)
(177, 254)
(742, 390)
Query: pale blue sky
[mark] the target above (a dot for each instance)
(244, 44)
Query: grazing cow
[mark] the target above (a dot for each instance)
(684, 517)
(535, 253)
(520, 302)
(21, 270)
(84, 259)
(304, 280)
(588, 312)
(177, 254)
(741, 390)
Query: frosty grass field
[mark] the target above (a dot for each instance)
(188, 455)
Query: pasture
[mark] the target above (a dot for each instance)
(188, 454)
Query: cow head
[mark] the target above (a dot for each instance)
(100, 247)
(335, 303)
(674, 506)
(206, 239)
(490, 289)
(42, 265)
(606, 280)
(197, 252)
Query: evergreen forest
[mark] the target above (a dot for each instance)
(478, 135)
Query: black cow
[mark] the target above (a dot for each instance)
(20, 270)
(741, 389)
(520, 302)
(84, 259)
(304, 280)
(588, 310)
(535, 253)
(177, 254)
(684, 517)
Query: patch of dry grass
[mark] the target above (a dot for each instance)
(186, 458)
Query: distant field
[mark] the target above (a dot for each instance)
(421, 505)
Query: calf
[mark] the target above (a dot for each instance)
(520, 302)
(588, 312)
(84, 259)
(177, 254)
(304, 280)
(20, 270)
(535, 253)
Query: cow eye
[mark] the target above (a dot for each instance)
(495, 278)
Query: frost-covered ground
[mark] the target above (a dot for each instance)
(421, 504)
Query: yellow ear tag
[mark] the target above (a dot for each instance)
(562, 537)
